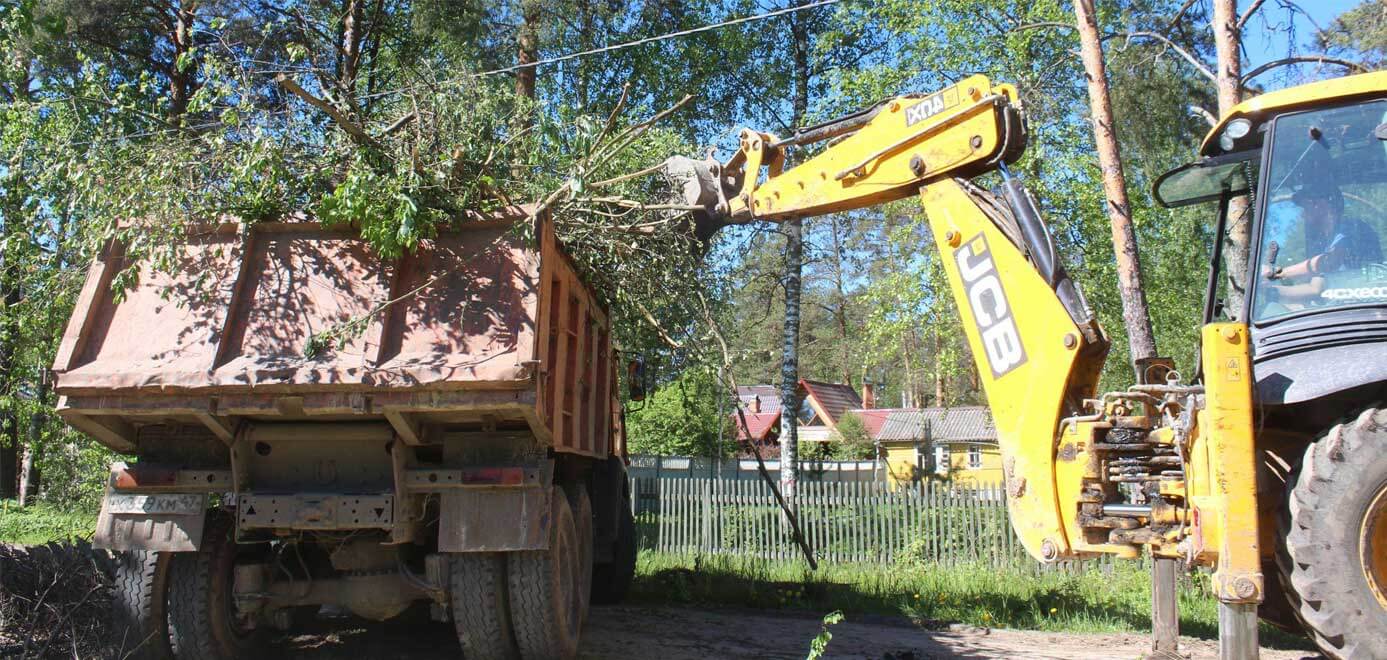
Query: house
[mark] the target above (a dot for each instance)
(822, 405)
(760, 409)
(958, 444)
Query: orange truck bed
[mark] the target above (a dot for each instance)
(484, 331)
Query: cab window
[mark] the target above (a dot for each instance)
(1325, 213)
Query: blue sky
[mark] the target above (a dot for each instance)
(1265, 38)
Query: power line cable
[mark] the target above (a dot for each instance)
(625, 45)
(527, 65)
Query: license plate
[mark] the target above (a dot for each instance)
(172, 504)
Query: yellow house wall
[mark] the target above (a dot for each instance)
(990, 473)
(901, 462)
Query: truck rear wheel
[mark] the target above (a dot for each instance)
(1334, 538)
(582, 519)
(481, 614)
(612, 580)
(204, 622)
(543, 583)
(138, 612)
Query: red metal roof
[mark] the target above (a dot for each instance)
(873, 418)
(758, 425)
(832, 398)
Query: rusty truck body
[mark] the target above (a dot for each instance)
(312, 425)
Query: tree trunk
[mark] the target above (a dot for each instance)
(180, 78)
(11, 207)
(527, 51)
(28, 473)
(840, 312)
(938, 370)
(794, 268)
(29, 479)
(908, 390)
(353, 30)
(789, 365)
(1236, 249)
(1134, 312)
(9, 443)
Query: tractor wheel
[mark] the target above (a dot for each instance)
(611, 581)
(481, 614)
(582, 519)
(543, 606)
(138, 609)
(1334, 539)
(204, 622)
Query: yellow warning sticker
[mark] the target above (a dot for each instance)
(1234, 370)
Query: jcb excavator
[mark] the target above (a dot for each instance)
(1268, 464)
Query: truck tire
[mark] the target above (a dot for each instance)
(611, 581)
(481, 614)
(543, 606)
(582, 519)
(138, 608)
(1333, 552)
(203, 622)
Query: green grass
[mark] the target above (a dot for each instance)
(41, 523)
(1110, 598)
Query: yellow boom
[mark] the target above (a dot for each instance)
(1162, 465)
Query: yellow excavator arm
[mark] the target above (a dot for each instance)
(1084, 475)
(1038, 348)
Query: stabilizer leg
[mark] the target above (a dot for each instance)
(1237, 631)
(1165, 612)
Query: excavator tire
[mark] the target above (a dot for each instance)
(1334, 539)
(138, 605)
(544, 609)
(203, 622)
(480, 611)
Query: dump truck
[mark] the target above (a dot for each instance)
(310, 425)
(1265, 464)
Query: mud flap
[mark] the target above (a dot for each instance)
(163, 522)
(494, 520)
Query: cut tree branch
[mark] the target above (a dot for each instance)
(352, 128)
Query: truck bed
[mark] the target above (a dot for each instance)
(227, 339)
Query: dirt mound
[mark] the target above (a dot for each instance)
(55, 601)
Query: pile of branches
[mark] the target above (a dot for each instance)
(55, 601)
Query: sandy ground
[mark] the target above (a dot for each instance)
(669, 633)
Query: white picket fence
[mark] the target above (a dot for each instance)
(851, 521)
(684, 467)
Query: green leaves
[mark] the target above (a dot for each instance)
(819, 644)
(682, 418)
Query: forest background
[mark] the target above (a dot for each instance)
(396, 116)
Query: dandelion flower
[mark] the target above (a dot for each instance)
(1053, 610)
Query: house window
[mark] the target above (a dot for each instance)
(941, 459)
(974, 457)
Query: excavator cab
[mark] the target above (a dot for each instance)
(1313, 182)
(1306, 167)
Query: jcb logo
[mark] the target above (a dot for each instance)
(1000, 339)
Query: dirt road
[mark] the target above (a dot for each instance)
(667, 633)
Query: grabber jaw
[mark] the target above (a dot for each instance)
(700, 183)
